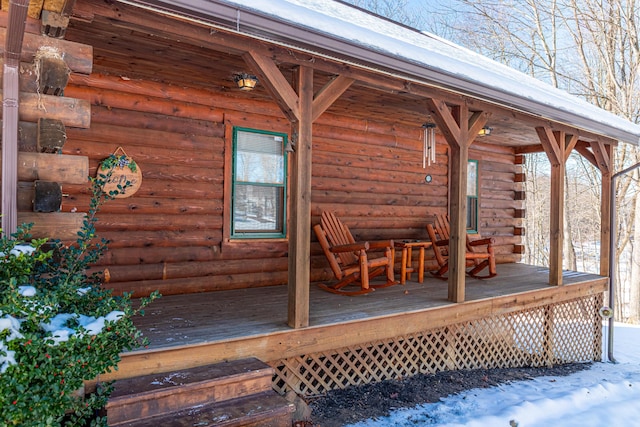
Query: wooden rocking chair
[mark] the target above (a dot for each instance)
(479, 254)
(349, 260)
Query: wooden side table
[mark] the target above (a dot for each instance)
(406, 264)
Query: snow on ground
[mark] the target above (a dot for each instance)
(606, 394)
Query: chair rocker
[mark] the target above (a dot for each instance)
(478, 256)
(349, 259)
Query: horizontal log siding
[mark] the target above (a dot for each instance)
(372, 177)
(169, 235)
(497, 198)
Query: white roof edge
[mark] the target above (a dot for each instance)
(401, 51)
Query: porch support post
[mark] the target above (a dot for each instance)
(298, 108)
(300, 215)
(557, 145)
(600, 155)
(604, 158)
(459, 127)
(302, 108)
(457, 208)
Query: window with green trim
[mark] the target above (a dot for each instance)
(259, 184)
(472, 196)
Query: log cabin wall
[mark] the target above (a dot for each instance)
(370, 174)
(501, 199)
(169, 235)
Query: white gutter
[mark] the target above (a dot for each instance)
(10, 89)
(284, 31)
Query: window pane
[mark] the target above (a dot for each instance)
(259, 158)
(472, 195)
(259, 179)
(258, 208)
(472, 178)
(472, 213)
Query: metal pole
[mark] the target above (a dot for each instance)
(10, 100)
(612, 253)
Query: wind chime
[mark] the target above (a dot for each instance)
(429, 147)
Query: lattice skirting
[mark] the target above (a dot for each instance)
(570, 331)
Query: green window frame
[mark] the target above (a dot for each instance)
(472, 196)
(258, 194)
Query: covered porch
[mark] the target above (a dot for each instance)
(516, 317)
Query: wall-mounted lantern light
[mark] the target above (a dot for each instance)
(245, 81)
(485, 131)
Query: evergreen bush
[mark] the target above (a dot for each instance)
(59, 327)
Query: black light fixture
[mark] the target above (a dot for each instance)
(245, 81)
(485, 131)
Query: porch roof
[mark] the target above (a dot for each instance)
(339, 31)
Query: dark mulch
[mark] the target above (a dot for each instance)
(340, 407)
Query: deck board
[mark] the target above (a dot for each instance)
(182, 320)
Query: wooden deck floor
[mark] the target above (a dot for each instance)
(198, 329)
(185, 320)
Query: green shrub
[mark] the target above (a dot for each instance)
(59, 327)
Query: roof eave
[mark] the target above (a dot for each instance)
(253, 23)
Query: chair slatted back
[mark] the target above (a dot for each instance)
(338, 234)
(478, 255)
(441, 225)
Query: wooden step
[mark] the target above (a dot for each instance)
(267, 409)
(155, 395)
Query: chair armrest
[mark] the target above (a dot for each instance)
(352, 247)
(440, 243)
(381, 244)
(482, 242)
